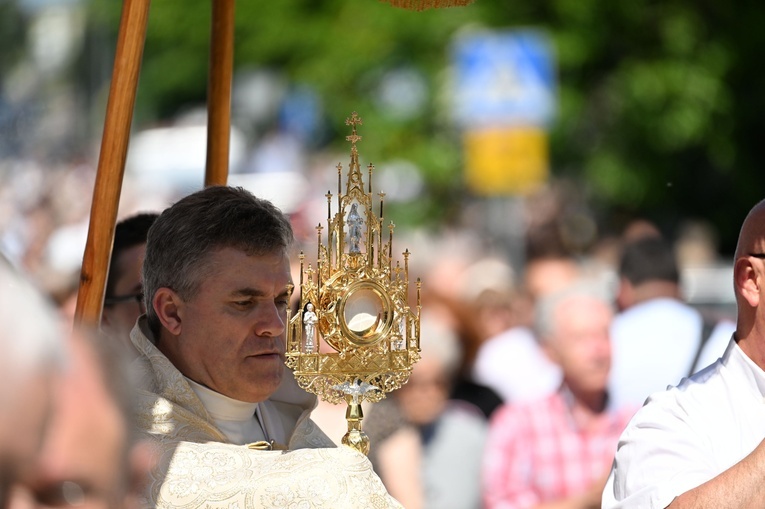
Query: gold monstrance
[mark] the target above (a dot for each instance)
(354, 338)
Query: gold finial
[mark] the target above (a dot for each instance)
(353, 122)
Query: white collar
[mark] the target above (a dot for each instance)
(734, 355)
(221, 407)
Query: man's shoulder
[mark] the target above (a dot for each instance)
(463, 415)
(164, 420)
(697, 389)
(510, 339)
(661, 309)
(516, 347)
(695, 401)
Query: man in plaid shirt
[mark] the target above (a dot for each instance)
(558, 450)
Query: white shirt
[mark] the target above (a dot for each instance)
(653, 346)
(688, 435)
(238, 420)
(514, 365)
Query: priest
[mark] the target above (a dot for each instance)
(228, 422)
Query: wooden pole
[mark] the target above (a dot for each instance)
(219, 92)
(111, 163)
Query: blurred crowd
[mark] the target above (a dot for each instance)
(529, 376)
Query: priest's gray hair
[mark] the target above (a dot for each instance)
(545, 319)
(182, 238)
(31, 339)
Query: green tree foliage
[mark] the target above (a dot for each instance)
(12, 30)
(660, 102)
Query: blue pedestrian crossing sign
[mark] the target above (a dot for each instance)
(504, 78)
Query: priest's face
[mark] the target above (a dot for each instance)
(230, 335)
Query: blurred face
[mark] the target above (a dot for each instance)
(83, 457)
(581, 343)
(27, 409)
(547, 276)
(424, 396)
(120, 316)
(231, 334)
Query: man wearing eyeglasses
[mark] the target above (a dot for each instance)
(700, 444)
(123, 303)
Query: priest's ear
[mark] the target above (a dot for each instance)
(168, 306)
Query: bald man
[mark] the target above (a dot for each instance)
(700, 444)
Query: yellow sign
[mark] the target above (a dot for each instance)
(505, 161)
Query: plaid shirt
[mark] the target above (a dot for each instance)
(536, 453)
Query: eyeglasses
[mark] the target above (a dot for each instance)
(118, 299)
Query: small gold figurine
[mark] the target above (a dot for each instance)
(355, 337)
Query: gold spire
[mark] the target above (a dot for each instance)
(354, 171)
